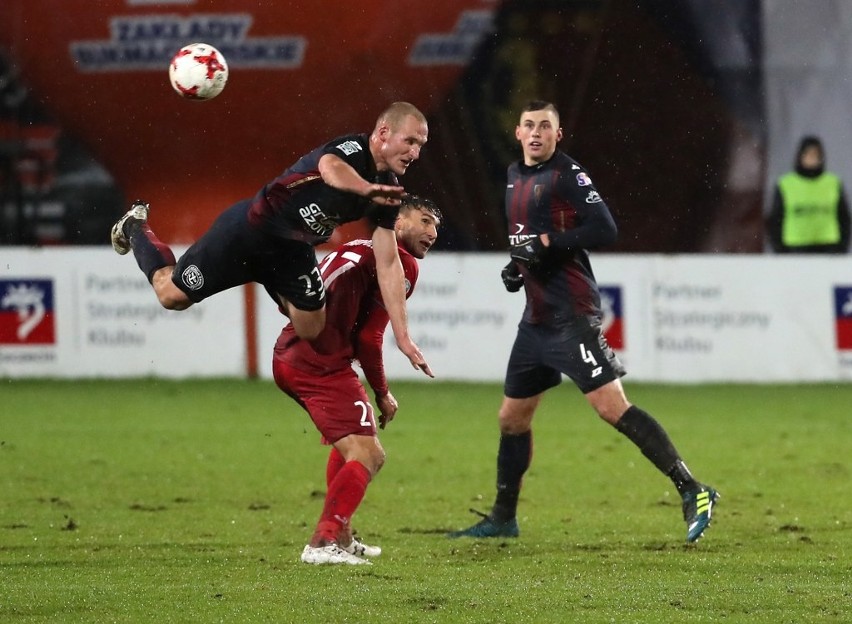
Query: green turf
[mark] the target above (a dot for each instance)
(157, 501)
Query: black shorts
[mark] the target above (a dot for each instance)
(542, 354)
(232, 253)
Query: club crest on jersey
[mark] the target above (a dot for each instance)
(593, 197)
(349, 147)
(583, 179)
(192, 277)
(538, 191)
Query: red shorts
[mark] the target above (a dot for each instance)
(336, 402)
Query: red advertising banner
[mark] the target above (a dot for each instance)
(301, 72)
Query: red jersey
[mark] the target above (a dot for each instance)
(355, 317)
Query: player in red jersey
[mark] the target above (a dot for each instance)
(270, 238)
(318, 375)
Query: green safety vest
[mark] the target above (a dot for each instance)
(810, 209)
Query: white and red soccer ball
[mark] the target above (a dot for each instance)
(198, 72)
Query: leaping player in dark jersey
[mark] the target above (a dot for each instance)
(270, 239)
(318, 374)
(554, 215)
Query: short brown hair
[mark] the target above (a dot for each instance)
(537, 105)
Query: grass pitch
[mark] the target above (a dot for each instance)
(159, 501)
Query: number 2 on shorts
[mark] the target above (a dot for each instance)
(366, 414)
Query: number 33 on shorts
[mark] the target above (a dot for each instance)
(313, 284)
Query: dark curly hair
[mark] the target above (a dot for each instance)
(412, 202)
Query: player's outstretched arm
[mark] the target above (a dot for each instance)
(339, 174)
(392, 286)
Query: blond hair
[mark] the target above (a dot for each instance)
(394, 115)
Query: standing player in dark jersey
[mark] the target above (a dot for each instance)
(270, 239)
(318, 374)
(554, 215)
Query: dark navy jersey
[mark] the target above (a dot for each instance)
(298, 205)
(558, 198)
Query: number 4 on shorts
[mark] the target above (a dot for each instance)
(589, 358)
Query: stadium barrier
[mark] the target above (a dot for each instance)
(83, 312)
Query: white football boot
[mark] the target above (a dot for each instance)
(332, 554)
(360, 549)
(138, 212)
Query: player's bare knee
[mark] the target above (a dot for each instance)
(372, 462)
(377, 456)
(515, 415)
(171, 304)
(377, 461)
(610, 410)
(513, 423)
(610, 415)
(170, 296)
(172, 300)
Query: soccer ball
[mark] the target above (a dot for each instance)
(198, 72)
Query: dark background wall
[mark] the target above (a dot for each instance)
(642, 108)
(662, 125)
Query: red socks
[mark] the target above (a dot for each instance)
(335, 463)
(345, 493)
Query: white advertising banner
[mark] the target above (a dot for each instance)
(732, 318)
(696, 318)
(460, 316)
(85, 312)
